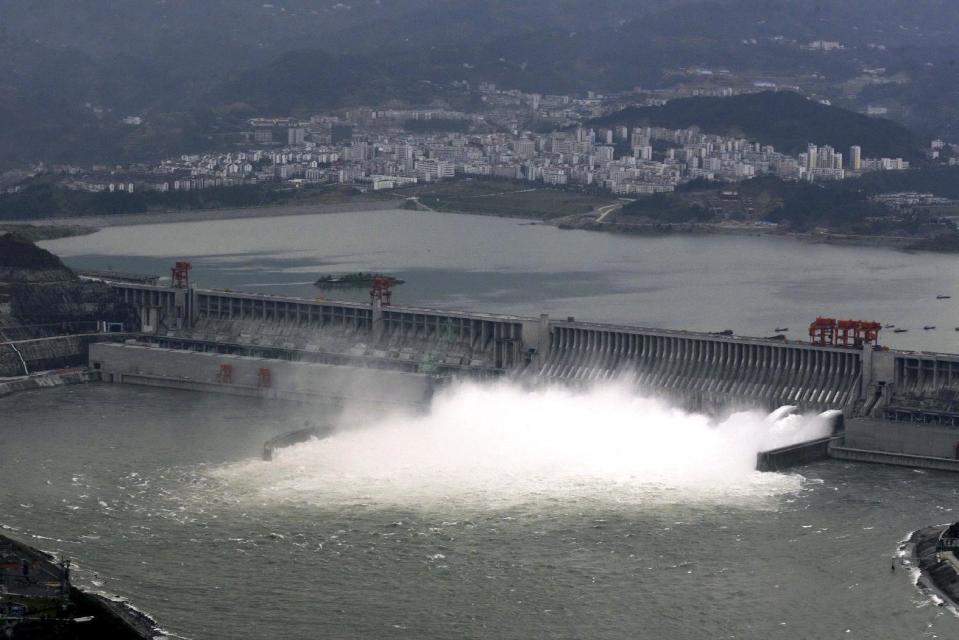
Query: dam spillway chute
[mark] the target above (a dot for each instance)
(815, 449)
(291, 438)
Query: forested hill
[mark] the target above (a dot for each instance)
(784, 119)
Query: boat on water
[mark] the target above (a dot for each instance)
(929, 327)
(780, 330)
(942, 297)
(358, 279)
(900, 330)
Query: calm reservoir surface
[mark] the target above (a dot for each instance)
(752, 285)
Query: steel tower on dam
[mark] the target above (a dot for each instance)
(703, 370)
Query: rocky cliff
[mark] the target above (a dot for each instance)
(44, 306)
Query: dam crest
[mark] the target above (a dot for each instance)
(704, 371)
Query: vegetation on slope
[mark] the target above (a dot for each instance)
(784, 119)
(45, 200)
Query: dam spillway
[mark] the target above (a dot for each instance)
(897, 404)
(703, 370)
(706, 370)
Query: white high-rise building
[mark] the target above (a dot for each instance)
(295, 136)
(855, 158)
(430, 169)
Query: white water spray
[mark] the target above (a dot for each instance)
(504, 442)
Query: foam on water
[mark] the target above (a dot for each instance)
(503, 442)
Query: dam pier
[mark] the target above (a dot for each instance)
(899, 407)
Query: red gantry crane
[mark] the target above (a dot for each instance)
(843, 333)
(381, 292)
(180, 275)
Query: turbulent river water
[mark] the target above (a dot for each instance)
(448, 526)
(501, 512)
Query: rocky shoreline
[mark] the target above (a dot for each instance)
(39, 601)
(937, 571)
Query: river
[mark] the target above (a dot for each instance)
(159, 496)
(405, 527)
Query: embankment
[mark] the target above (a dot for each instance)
(38, 601)
(46, 379)
(25, 357)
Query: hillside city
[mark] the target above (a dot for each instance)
(378, 149)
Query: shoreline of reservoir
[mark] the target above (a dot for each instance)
(82, 225)
(201, 215)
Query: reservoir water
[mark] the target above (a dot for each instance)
(501, 513)
(752, 285)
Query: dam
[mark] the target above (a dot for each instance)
(895, 403)
(703, 370)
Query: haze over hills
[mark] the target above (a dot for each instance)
(69, 74)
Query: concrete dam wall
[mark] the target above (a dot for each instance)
(702, 370)
(706, 370)
(256, 377)
(906, 404)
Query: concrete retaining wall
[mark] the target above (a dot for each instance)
(896, 459)
(46, 380)
(239, 375)
(902, 437)
(43, 354)
(794, 456)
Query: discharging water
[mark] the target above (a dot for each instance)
(501, 443)
(501, 513)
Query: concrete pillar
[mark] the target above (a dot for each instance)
(377, 320)
(868, 373)
(181, 316)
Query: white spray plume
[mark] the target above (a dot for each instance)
(503, 442)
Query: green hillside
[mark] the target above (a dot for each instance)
(784, 119)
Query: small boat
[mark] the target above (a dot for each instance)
(724, 332)
(780, 330)
(928, 327)
(890, 326)
(942, 297)
(900, 330)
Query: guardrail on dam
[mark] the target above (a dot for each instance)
(701, 369)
